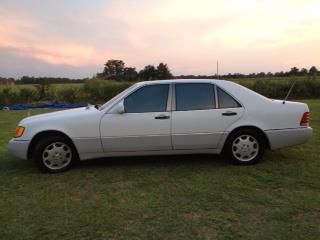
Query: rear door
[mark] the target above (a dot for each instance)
(198, 119)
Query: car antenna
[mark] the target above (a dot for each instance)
(292, 85)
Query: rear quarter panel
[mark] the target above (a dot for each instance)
(263, 112)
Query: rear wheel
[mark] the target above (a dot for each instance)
(245, 147)
(54, 154)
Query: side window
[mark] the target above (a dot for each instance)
(194, 96)
(151, 98)
(226, 101)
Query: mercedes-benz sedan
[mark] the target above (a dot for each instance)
(165, 117)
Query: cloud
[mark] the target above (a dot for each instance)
(13, 65)
(21, 36)
(192, 35)
(245, 36)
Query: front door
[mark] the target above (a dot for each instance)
(145, 125)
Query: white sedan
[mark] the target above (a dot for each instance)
(164, 117)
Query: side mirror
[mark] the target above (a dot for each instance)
(119, 108)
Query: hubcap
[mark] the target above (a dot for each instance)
(57, 155)
(245, 148)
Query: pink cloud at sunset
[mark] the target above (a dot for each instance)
(190, 36)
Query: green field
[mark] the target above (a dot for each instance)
(180, 197)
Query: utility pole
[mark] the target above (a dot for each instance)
(217, 70)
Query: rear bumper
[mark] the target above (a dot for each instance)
(18, 148)
(288, 137)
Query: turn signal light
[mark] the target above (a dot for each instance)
(304, 119)
(18, 131)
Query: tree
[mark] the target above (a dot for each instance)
(148, 73)
(113, 69)
(269, 74)
(261, 74)
(252, 75)
(130, 74)
(303, 72)
(7, 81)
(163, 71)
(279, 74)
(313, 71)
(294, 71)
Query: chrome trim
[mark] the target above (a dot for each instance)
(173, 102)
(216, 96)
(169, 100)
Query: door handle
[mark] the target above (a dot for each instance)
(162, 117)
(229, 113)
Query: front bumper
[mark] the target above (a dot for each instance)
(18, 148)
(288, 137)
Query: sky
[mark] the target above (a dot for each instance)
(74, 38)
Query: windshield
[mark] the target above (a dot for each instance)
(108, 103)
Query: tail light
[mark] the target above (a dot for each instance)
(304, 119)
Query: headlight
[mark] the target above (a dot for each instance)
(18, 131)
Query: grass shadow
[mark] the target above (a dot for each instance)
(11, 164)
(154, 161)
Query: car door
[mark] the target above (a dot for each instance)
(145, 124)
(198, 121)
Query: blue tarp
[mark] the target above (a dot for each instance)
(46, 105)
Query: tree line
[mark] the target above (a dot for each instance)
(38, 80)
(117, 70)
(113, 70)
(293, 72)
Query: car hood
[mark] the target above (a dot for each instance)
(67, 114)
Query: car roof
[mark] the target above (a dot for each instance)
(181, 81)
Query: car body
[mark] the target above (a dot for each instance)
(165, 117)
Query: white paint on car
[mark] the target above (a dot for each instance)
(106, 132)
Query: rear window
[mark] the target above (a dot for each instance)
(226, 101)
(194, 96)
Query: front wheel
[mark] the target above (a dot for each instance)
(54, 154)
(244, 147)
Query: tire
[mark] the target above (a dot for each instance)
(54, 154)
(244, 147)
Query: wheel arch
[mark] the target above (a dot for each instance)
(255, 128)
(47, 133)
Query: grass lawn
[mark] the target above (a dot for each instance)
(181, 197)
